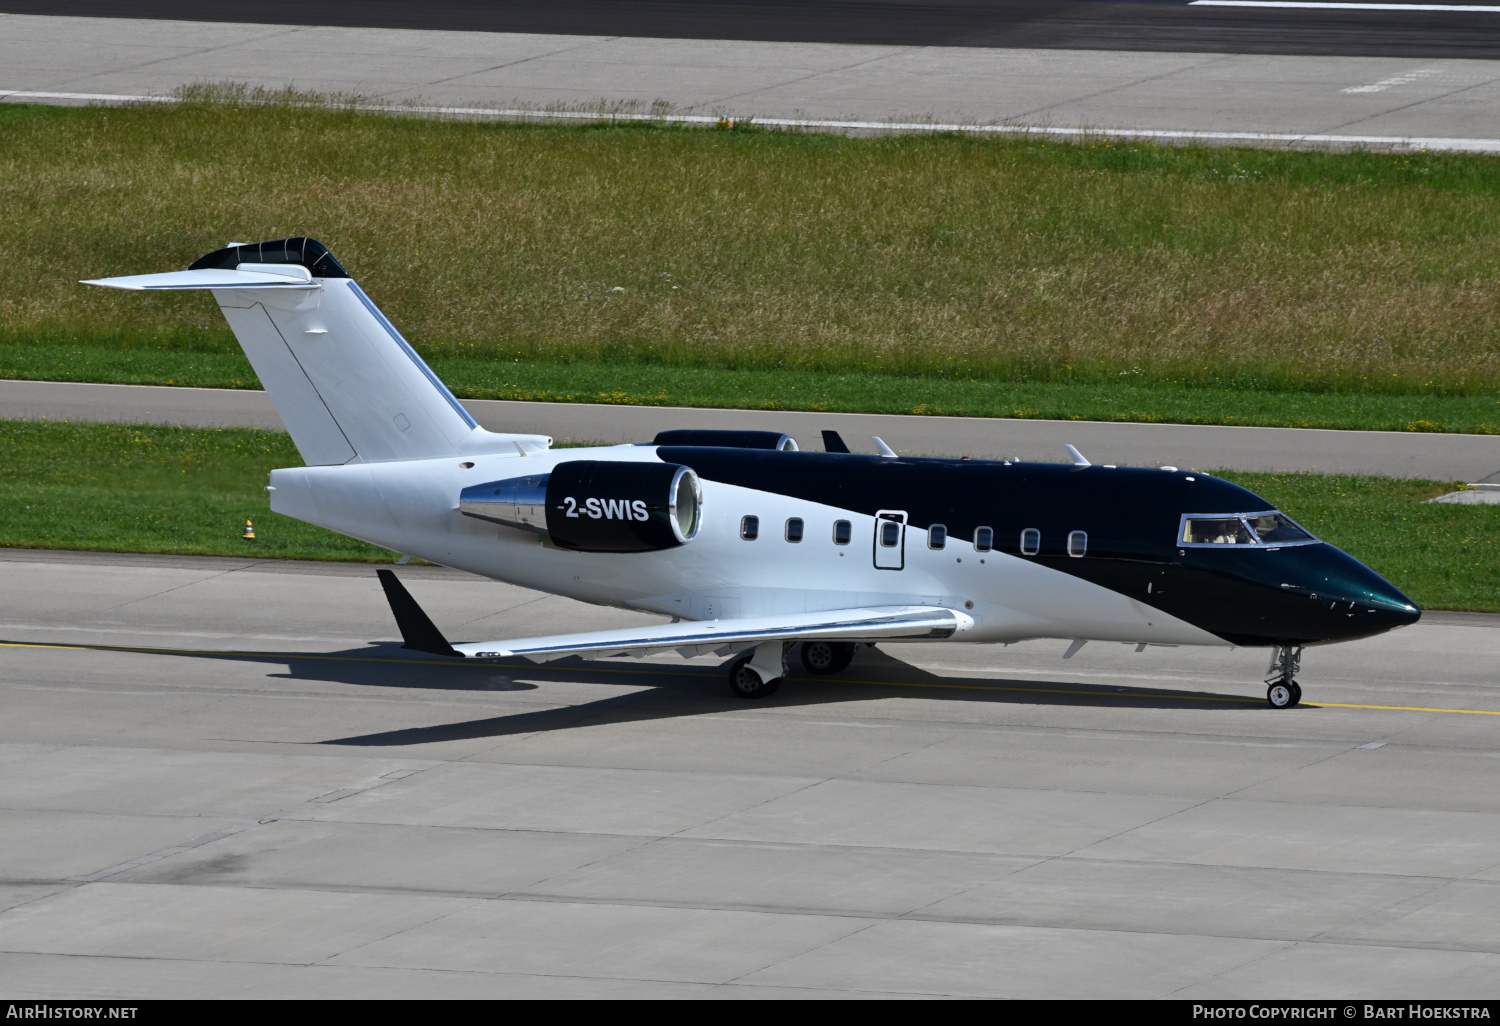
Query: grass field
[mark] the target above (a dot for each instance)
(119, 488)
(902, 273)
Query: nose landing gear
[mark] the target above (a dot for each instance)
(1282, 691)
(1284, 695)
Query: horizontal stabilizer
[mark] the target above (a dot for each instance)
(872, 623)
(285, 276)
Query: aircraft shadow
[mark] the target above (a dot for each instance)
(670, 693)
(667, 690)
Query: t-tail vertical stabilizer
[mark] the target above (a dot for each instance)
(348, 387)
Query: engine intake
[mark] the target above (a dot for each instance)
(596, 505)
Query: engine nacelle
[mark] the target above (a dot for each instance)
(596, 505)
(720, 439)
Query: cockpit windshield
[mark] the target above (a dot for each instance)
(1269, 528)
(1276, 529)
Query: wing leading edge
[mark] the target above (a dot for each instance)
(723, 637)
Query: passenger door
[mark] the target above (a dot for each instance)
(890, 539)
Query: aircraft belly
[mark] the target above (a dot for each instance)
(1030, 600)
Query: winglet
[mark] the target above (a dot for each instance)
(834, 442)
(247, 276)
(419, 633)
(1078, 458)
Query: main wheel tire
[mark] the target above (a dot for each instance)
(1296, 693)
(1281, 695)
(823, 657)
(746, 683)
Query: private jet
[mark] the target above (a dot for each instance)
(751, 546)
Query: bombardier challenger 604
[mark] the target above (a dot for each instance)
(755, 549)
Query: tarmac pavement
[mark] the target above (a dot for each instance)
(1442, 99)
(1442, 457)
(319, 814)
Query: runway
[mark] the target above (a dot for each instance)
(225, 780)
(1402, 96)
(1442, 457)
(1153, 25)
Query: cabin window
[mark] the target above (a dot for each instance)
(1078, 543)
(937, 536)
(842, 532)
(794, 529)
(890, 534)
(1031, 541)
(750, 528)
(984, 539)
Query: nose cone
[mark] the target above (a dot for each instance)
(1343, 598)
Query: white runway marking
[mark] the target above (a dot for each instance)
(1344, 7)
(1399, 80)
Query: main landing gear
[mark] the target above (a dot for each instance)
(759, 674)
(1282, 691)
(820, 657)
(746, 683)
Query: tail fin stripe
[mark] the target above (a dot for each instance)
(390, 328)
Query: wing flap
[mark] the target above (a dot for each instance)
(872, 623)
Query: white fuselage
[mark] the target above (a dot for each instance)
(411, 506)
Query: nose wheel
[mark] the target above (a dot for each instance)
(1284, 694)
(1282, 689)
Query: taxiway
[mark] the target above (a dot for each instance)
(223, 778)
(1403, 95)
(1441, 457)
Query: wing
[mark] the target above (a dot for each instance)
(725, 636)
(871, 623)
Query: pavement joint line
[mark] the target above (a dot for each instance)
(1132, 84)
(166, 591)
(895, 52)
(210, 654)
(587, 41)
(1316, 139)
(1416, 103)
(168, 852)
(266, 32)
(299, 815)
(1425, 895)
